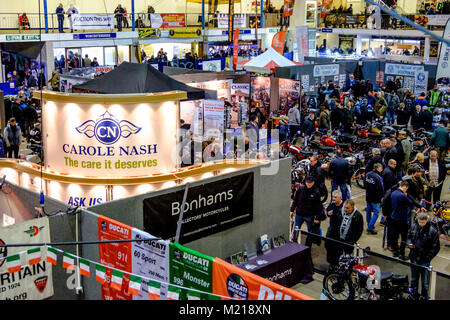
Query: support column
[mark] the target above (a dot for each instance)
(426, 51)
(132, 15)
(45, 16)
(358, 44)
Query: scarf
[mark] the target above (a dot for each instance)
(345, 224)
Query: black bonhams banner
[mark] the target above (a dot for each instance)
(209, 208)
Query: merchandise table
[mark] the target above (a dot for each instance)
(286, 265)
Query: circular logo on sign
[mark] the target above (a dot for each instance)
(198, 32)
(172, 32)
(3, 253)
(237, 287)
(107, 131)
(420, 77)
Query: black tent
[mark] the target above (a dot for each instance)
(136, 78)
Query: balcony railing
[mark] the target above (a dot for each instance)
(10, 22)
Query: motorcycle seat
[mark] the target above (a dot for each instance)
(362, 141)
(326, 148)
(386, 275)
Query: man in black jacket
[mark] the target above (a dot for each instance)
(416, 119)
(389, 175)
(427, 119)
(374, 193)
(308, 126)
(423, 242)
(435, 172)
(376, 157)
(347, 228)
(391, 151)
(339, 174)
(314, 170)
(306, 205)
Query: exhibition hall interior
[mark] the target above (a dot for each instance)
(225, 150)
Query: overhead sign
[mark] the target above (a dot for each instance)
(24, 37)
(167, 20)
(239, 21)
(402, 69)
(327, 30)
(147, 33)
(326, 70)
(209, 208)
(92, 21)
(185, 33)
(94, 36)
(110, 140)
(31, 282)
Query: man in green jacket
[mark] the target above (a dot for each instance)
(435, 98)
(380, 107)
(441, 140)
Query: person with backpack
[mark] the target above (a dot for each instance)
(423, 244)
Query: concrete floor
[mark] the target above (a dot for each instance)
(440, 263)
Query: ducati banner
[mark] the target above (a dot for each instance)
(209, 208)
(31, 282)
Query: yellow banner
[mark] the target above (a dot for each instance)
(185, 33)
(146, 33)
(209, 2)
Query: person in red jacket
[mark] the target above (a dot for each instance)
(24, 22)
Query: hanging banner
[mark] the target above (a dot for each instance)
(326, 70)
(443, 68)
(221, 86)
(278, 41)
(420, 82)
(402, 69)
(231, 281)
(31, 282)
(432, 20)
(149, 259)
(230, 21)
(380, 77)
(305, 82)
(302, 42)
(185, 33)
(240, 95)
(289, 92)
(191, 269)
(167, 20)
(148, 33)
(143, 258)
(209, 208)
(92, 21)
(239, 21)
(213, 119)
(235, 48)
(116, 255)
(288, 8)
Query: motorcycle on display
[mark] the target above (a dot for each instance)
(441, 218)
(354, 280)
(298, 174)
(357, 167)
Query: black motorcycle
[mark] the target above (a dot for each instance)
(352, 280)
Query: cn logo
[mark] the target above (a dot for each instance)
(107, 129)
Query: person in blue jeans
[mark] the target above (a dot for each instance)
(339, 174)
(307, 205)
(374, 194)
(423, 242)
(60, 14)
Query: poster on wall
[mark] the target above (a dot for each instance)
(342, 80)
(380, 77)
(408, 82)
(326, 70)
(402, 69)
(288, 8)
(239, 21)
(234, 282)
(212, 65)
(305, 82)
(210, 208)
(240, 96)
(191, 269)
(420, 82)
(289, 93)
(260, 93)
(29, 282)
(302, 42)
(192, 113)
(223, 87)
(213, 119)
(143, 258)
(167, 20)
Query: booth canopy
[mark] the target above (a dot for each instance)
(266, 62)
(136, 78)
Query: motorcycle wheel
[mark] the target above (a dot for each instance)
(338, 288)
(359, 178)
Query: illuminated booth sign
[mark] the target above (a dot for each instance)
(110, 135)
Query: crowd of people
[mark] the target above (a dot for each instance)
(395, 185)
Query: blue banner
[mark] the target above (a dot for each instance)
(89, 36)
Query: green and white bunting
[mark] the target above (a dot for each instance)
(85, 267)
(116, 280)
(134, 286)
(34, 256)
(100, 272)
(154, 290)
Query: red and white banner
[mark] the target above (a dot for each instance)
(167, 20)
(235, 48)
